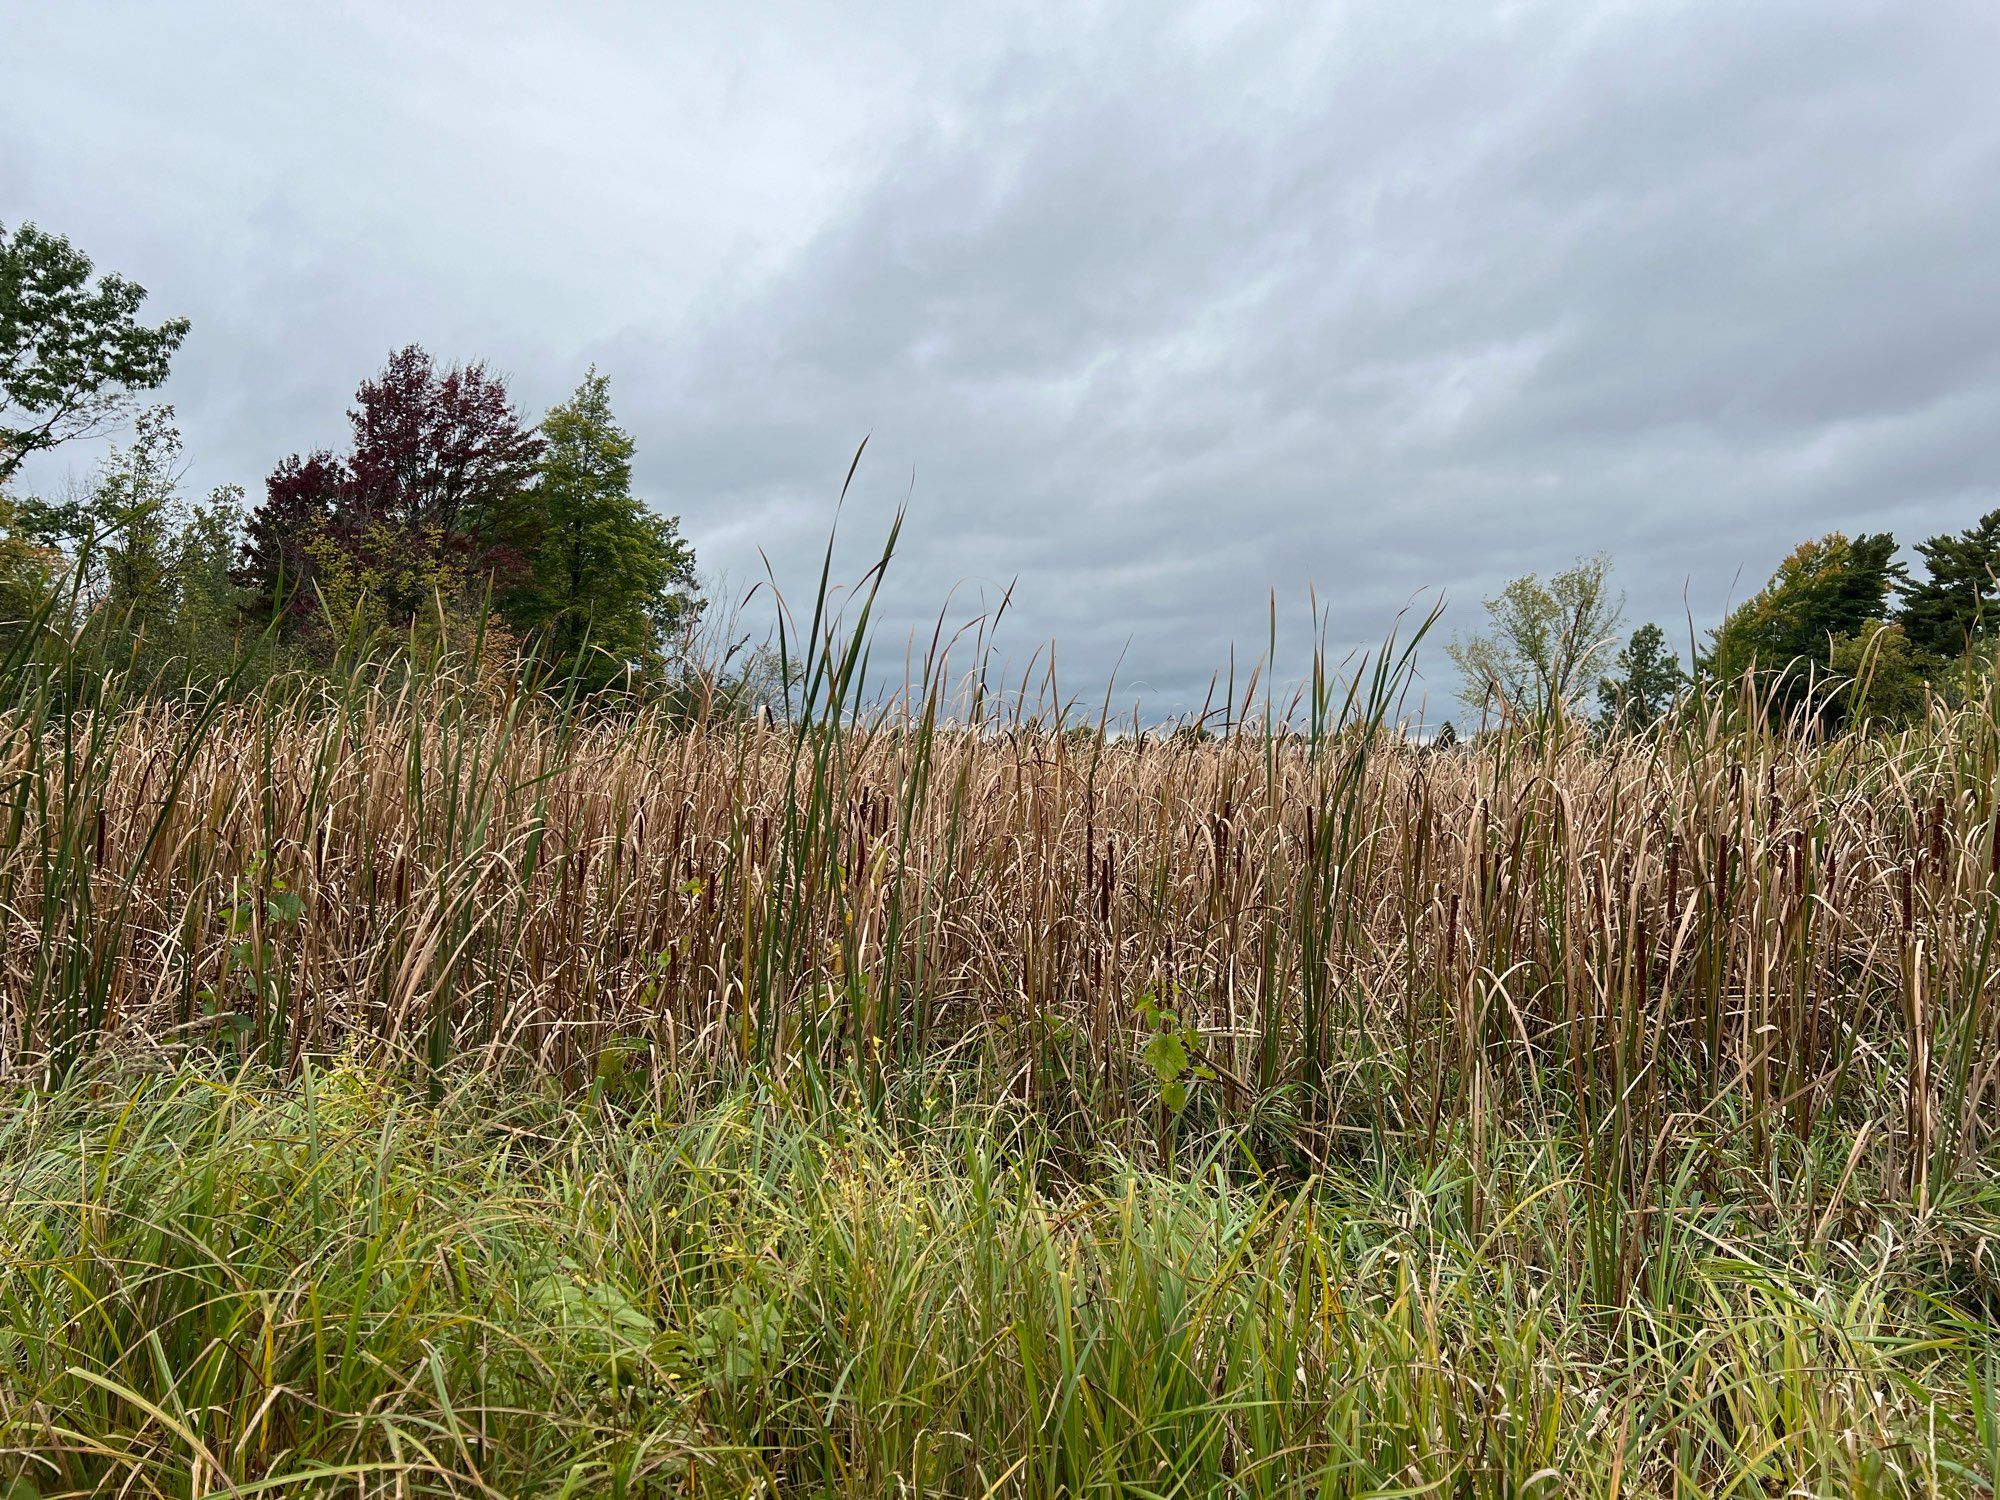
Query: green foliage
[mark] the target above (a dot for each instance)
(1887, 677)
(1827, 589)
(28, 570)
(609, 581)
(113, 530)
(1547, 641)
(206, 628)
(72, 351)
(149, 570)
(449, 522)
(596, 1319)
(1648, 679)
(412, 529)
(379, 585)
(226, 1283)
(1955, 607)
(128, 522)
(1172, 1052)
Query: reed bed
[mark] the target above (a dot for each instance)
(1344, 930)
(1693, 1033)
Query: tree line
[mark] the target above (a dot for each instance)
(1841, 633)
(447, 516)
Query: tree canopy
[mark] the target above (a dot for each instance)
(1546, 641)
(1826, 590)
(608, 578)
(446, 494)
(429, 500)
(1647, 678)
(72, 349)
(1882, 677)
(1956, 604)
(144, 563)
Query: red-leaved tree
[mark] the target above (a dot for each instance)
(301, 497)
(433, 488)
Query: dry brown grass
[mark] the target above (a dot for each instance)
(1642, 1086)
(1363, 935)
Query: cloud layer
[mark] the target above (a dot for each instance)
(1159, 311)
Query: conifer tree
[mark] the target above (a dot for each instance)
(1647, 678)
(608, 579)
(1956, 605)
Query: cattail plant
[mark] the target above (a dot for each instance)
(1308, 926)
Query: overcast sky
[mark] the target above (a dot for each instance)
(1156, 309)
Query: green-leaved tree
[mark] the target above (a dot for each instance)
(1546, 642)
(1956, 605)
(28, 569)
(1883, 677)
(1827, 590)
(152, 569)
(609, 580)
(72, 349)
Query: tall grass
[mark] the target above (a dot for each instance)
(1692, 1033)
(232, 1286)
(1351, 937)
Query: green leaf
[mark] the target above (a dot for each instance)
(604, 1324)
(1166, 1056)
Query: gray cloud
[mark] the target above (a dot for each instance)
(1163, 311)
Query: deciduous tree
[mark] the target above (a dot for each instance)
(301, 497)
(151, 570)
(28, 567)
(72, 349)
(432, 494)
(1828, 589)
(438, 450)
(1884, 677)
(1547, 641)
